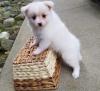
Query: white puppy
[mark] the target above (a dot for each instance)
(51, 32)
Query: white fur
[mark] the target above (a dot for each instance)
(56, 35)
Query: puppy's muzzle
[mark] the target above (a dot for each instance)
(40, 24)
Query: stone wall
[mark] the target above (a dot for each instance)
(10, 23)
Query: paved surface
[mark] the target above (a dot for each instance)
(83, 19)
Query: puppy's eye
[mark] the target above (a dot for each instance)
(44, 16)
(34, 17)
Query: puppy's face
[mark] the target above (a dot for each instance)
(38, 13)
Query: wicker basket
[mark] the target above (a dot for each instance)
(35, 72)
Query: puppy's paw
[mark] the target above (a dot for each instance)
(75, 75)
(37, 51)
(33, 43)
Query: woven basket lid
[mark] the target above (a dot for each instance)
(27, 66)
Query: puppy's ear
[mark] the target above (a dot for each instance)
(49, 4)
(24, 10)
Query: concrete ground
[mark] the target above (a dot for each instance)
(83, 19)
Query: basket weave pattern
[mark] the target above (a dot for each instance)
(35, 72)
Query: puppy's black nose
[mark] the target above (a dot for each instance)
(40, 24)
